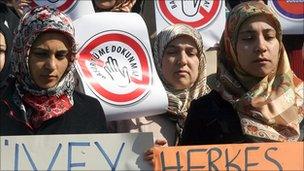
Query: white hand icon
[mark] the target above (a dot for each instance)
(117, 74)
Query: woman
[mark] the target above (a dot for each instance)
(6, 38)
(41, 97)
(180, 63)
(257, 97)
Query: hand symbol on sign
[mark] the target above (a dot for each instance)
(190, 8)
(117, 74)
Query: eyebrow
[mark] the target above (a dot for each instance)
(46, 50)
(252, 31)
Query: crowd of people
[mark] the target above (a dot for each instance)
(256, 97)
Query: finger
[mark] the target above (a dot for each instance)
(115, 65)
(110, 63)
(108, 71)
(160, 142)
(125, 73)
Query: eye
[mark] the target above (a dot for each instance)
(171, 51)
(270, 37)
(2, 51)
(247, 38)
(61, 55)
(40, 54)
(192, 52)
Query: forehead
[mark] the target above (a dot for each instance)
(51, 37)
(257, 22)
(183, 40)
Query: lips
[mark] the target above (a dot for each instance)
(49, 77)
(181, 72)
(261, 60)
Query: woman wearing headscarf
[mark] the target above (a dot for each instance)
(258, 98)
(41, 97)
(181, 65)
(6, 39)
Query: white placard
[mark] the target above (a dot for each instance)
(115, 65)
(73, 8)
(208, 16)
(75, 152)
(290, 14)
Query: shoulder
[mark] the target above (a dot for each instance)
(87, 104)
(210, 101)
(83, 98)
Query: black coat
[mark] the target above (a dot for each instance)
(86, 116)
(213, 120)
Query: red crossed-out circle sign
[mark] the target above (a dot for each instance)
(207, 16)
(142, 87)
(68, 4)
(290, 9)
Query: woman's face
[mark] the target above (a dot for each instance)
(2, 51)
(258, 47)
(48, 59)
(180, 62)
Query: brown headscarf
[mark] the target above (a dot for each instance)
(273, 108)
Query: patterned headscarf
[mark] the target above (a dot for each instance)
(179, 100)
(43, 103)
(273, 108)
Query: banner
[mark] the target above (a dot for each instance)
(290, 14)
(255, 157)
(75, 152)
(207, 16)
(73, 8)
(116, 66)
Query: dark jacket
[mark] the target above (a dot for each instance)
(86, 116)
(212, 120)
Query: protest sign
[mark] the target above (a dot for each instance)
(255, 156)
(290, 14)
(73, 8)
(208, 16)
(116, 66)
(75, 152)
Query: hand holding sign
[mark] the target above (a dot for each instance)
(117, 74)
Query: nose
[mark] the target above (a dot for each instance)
(182, 59)
(51, 63)
(261, 45)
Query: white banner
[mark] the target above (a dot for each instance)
(290, 14)
(115, 65)
(73, 8)
(75, 152)
(208, 16)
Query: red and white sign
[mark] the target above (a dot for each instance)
(208, 16)
(290, 14)
(116, 66)
(62, 5)
(196, 13)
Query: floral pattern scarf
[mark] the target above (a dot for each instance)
(179, 100)
(39, 105)
(273, 108)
